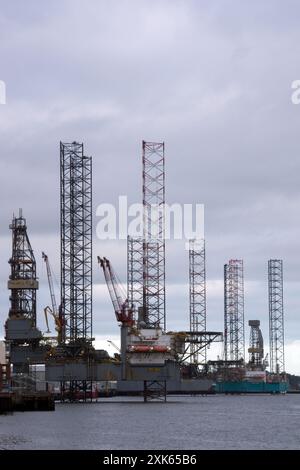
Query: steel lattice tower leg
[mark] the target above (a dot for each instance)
(197, 289)
(155, 390)
(234, 330)
(154, 234)
(276, 321)
(76, 242)
(76, 252)
(229, 313)
(146, 256)
(135, 274)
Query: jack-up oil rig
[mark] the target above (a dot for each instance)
(152, 361)
(150, 356)
(234, 374)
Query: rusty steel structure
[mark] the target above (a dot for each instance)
(276, 315)
(197, 297)
(234, 330)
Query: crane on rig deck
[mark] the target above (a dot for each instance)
(50, 282)
(56, 313)
(57, 320)
(123, 312)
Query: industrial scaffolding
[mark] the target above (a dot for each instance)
(197, 295)
(234, 330)
(276, 320)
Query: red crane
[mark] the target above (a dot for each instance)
(124, 313)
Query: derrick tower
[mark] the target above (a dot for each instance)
(21, 333)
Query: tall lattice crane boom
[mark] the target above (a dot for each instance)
(54, 312)
(124, 314)
(50, 282)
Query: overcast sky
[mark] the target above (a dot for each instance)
(210, 78)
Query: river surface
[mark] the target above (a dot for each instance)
(202, 422)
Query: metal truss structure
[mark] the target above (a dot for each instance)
(76, 391)
(276, 320)
(197, 291)
(154, 234)
(197, 342)
(146, 255)
(22, 281)
(234, 330)
(76, 256)
(155, 390)
(135, 275)
(76, 242)
(22, 336)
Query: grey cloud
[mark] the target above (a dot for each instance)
(212, 79)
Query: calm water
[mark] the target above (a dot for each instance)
(212, 422)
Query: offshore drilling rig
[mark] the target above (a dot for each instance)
(235, 374)
(74, 362)
(149, 356)
(146, 340)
